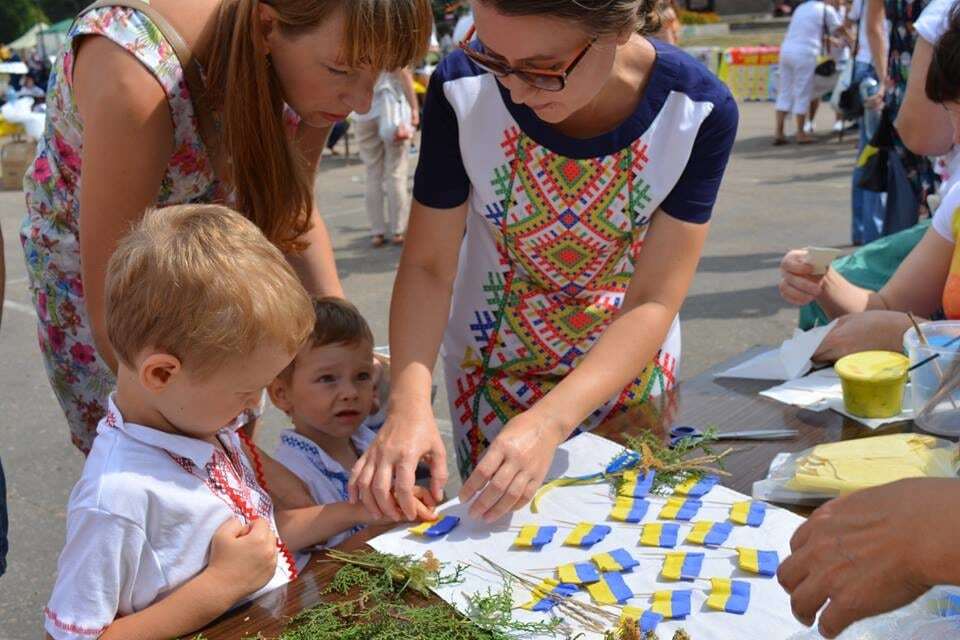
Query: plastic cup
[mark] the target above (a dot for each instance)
(944, 418)
(873, 383)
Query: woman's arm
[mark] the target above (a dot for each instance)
(923, 125)
(127, 143)
(418, 318)
(406, 82)
(315, 265)
(517, 460)
(878, 41)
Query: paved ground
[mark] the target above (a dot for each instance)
(772, 199)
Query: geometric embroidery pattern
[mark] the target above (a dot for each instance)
(567, 232)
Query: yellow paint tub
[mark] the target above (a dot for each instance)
(873, 383)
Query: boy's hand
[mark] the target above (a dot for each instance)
(425, 505)
(243, 558)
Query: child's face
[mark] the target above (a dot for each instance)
(331, 389)
(200, 407)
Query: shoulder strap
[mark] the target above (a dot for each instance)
(191, 69)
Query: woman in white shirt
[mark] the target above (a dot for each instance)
(798, 59)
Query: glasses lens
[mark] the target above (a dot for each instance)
(485, 62)
(543, 82)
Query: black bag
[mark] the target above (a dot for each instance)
(850, 102)
(826, 66)
(874, 161)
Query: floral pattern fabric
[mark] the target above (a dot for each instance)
(50, 233)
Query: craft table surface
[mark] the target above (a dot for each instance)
(727, 404)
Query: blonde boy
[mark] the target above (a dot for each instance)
(167, 527)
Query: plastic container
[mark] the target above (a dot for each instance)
(873, 383)
(944, 419)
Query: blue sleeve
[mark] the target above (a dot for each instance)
(695, 193)
(441, 181)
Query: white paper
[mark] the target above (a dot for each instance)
(768, 616)
(788, 362)
(822, 390)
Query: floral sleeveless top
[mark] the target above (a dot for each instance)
(51, 229)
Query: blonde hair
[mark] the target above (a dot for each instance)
(271, 178)
(201, 282)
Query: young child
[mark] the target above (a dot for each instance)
(167, 527)
(328, 392)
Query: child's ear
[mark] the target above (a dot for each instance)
(157, 371)
(279, 393)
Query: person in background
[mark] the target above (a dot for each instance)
(30, 89)
(387, 161)
(337, 132)
(893, 52)
(866, 206)
(798, 59)
(670, 26)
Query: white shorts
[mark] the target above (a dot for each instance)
(796, 82)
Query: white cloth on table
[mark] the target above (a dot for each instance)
(796, 82)
(139, 523)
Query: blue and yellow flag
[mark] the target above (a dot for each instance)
(660, 534)
(678, 508)
(764, 563)
(627, 509)
(587, 535)
(709, 534)
(647, 620)
(673, 605)
(616, 560)
(534, 536)
(582, 573)
(697, 488)
(732, 596)
(635, 484)
(748, 512)
(541, 595)
(610, 589)
(682, 565)
(436, 528)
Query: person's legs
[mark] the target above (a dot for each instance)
(785, 93)
(396, 172)
(336, 133)
(803, 95)
(372, 153)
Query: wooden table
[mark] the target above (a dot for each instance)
(704, 401)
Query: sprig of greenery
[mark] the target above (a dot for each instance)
(674, 465)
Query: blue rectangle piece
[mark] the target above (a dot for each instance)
(624, 559)
(758, 510)
(767, 561)
(692, 564)
(669, 535)
(739, 598)
(587, 572)
(718, 534)
(544, 536)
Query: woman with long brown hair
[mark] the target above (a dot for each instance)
(127, 129)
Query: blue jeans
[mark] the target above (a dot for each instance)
(868, 207)
(3, 523)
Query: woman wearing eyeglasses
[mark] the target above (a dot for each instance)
(568, 171)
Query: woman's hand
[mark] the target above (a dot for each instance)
(866, 331)
(425, 509)
(862, 552)
(798, 284)
(384, 477)
(513, 467)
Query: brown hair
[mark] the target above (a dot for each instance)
(599, 17)
(335, 321)
(201, 282)
(943, 75)
(272, 180)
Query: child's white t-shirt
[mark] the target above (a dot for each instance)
(140, 521)
(325, 477)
